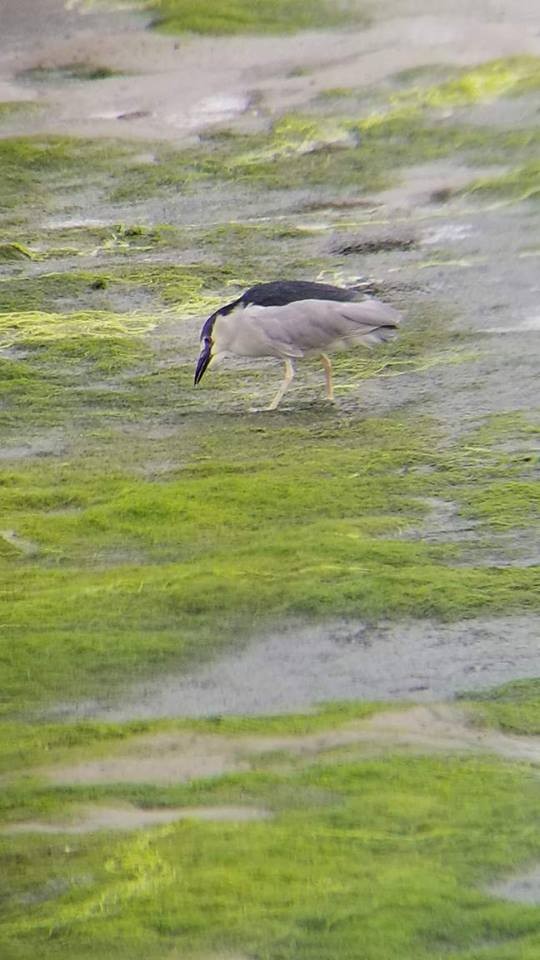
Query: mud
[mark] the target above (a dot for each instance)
(44, 445)
(343, 660)
(180, 757)
(174, 87)
(127, 817)
(522, 888)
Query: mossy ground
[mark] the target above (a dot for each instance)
(146, 536)
(241, 16)
(402, 848)
(68, 71)
(145, 526)
(521, 183)
(145, 569)
(514, 706)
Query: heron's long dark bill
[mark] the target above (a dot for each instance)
(202, 363)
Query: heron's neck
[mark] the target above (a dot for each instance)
(224, 333)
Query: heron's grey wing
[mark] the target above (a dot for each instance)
(368, 323)
(311, 325)
(261, 332)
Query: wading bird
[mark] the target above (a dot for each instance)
(291, 319)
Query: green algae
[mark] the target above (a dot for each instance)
(108, 240)
(10, 108)
(511, 76)
(37, 167)
(521, 183)
(185, 286)
(505, 493)
(125, 533)
(130, 572)
(68, 71)
(335, 93)
(390, 852)
(37, 327)
(127, 572)
(418, 93)
(513, 707)
(14, 251)
(507, 504)
(241, 16)
(365, 151)
(141, 572)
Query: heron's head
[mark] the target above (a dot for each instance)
(215, 343)
(205, 357)
(207, 348)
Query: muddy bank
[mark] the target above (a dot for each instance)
(173, 87)
(91, 819)
(345, 660)
(182, 757)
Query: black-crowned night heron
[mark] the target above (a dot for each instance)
(291, 319)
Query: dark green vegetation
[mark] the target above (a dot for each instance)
(146, 525)
(14, 251)
(402, 848)
(68, 71)
(37, 171)
(514, 707)
(113, 568)
(511, 76)
(251, 16)
(521, 183)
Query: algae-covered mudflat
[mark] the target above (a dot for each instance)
(184, 581)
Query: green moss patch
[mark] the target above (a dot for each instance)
(522, 183)
(146, 526)
(242, 16)
(163, 524)
(34, 167)
(14, 251)
(507, 503)
(387, 853)
(294, 518)
(511, 76)
(514, 707)
(187, 287)
(146, 480)
(35, 327)
(301, 150)
(362, 148)
(68, 71)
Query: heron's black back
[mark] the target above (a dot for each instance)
(277, 293)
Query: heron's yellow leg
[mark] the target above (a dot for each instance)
(328, 376)
(287, 380)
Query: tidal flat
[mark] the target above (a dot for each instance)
(157, 540)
